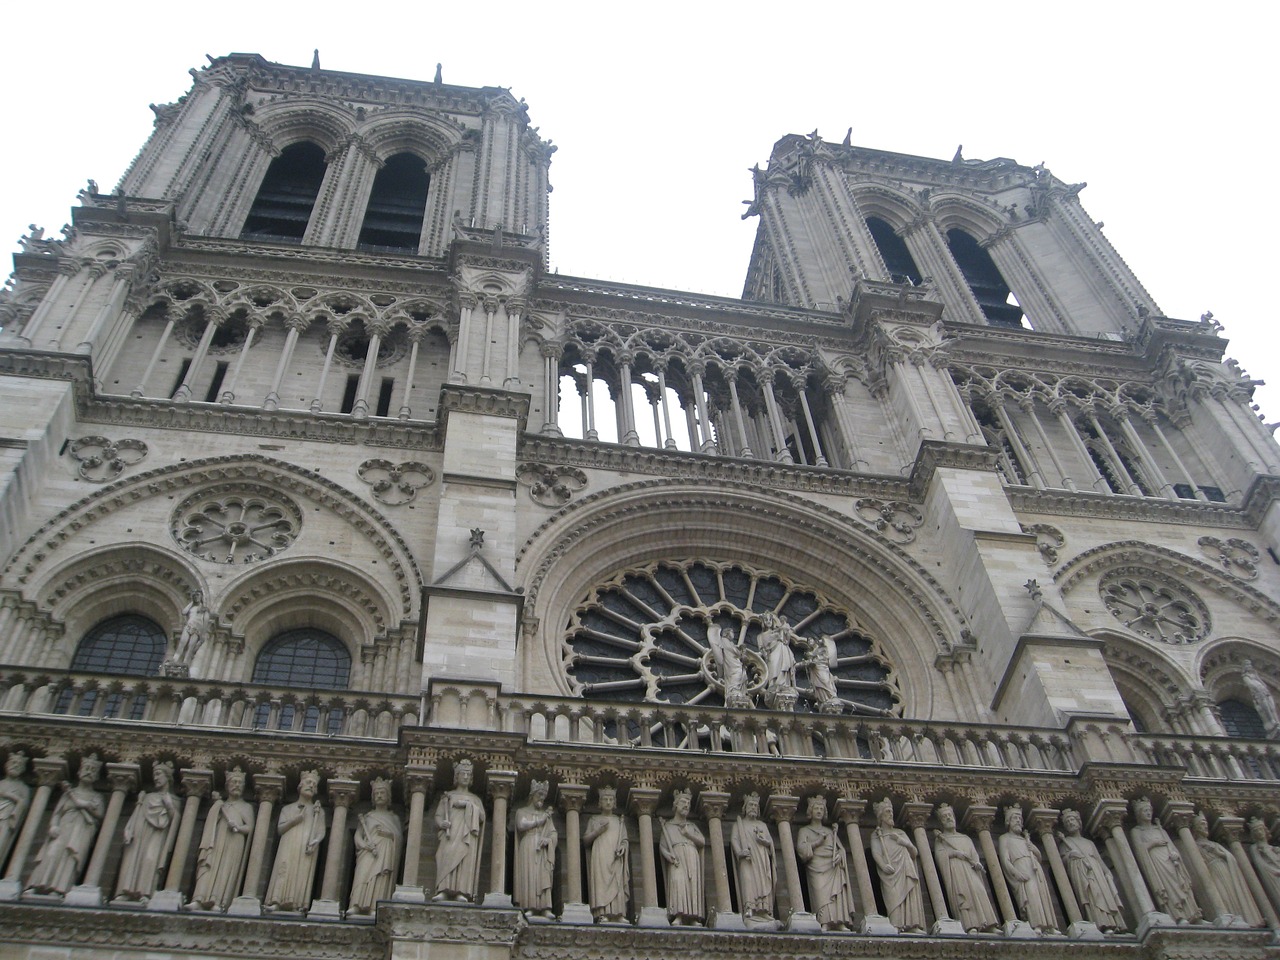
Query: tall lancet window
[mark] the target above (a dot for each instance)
(393, 220)
(893, 249)
(283, 206)
(989, 288)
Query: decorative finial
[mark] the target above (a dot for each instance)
(315, 59)
(1033, 588)
(848, 138)
(439, 74)
(477, 538)
(959, 157)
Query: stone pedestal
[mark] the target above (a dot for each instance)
(84, 895)
(653, 917)
(1084, 930)
(1153, 919)
(727, 921)
(947, 927)
(500, 900)
(802, 921)
(165, 901)
(10, 889)
(873, 924)
(577, 913)
(325, 910)
(1019, 930)
(409, 894)
(245, 907)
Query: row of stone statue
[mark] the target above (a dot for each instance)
(998, 884)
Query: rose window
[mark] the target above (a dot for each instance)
(721, 634)
(1156, 608)
(238, 527)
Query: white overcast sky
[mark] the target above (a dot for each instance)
(660, 108)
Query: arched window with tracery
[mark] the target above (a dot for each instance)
(893, 250)
(129, 645)
(397, 205)
(282, 209)
(305, 657)
(1241, 720)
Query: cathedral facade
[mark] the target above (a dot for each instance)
(369, 590)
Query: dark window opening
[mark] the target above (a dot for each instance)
(219, 374)
(349, 395)
(984, 279)
(893, 249)
(182, 375)
(384, 397)
(131, 645)
(283, 206)
(1184, 491)
(1213, 494)
(397, 205)
(304, 658)
(1240, 719)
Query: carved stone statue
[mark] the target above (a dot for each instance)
(608, 862)
(14, 798)
(780, 663)
(820, 657)
(195, 629)
(535, 852)
(460, 829)
(1226, 875)
(300, 827)
(72, 827)
(827, 864)
(224, 847)
(1092, 882)
(896, 862)
(378, 840)
(149, 837)
(753, 861)
(681, 848)
(1263, 700)
(733, 672)
(962, 874)
(1162, 866)
(1265, 859)
(1022, 864)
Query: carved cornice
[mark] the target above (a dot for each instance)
(935, 454)
(483, 400)
(1065, 503)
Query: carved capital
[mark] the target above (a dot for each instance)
(50, 771)
(197, 783)
(781, 807)
(1229, 830)
(1042, 820)
(1107, 816)
(123, 777)
(1177, 815)
(501, 783)
(978, 817)
(419, 780)
(343, 793)
(850, 810)
(712, 804)
(268, 787)
(643, 800)
(916, 815)
(572, 796)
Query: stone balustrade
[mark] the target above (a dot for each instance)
(1213, 758)
(197, 703)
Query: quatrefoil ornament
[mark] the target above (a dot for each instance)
(551, 486)
(895, 519)
(395, 483)
(101, 459)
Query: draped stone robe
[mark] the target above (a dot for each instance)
(301, 826)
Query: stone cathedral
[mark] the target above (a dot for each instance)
(369, 590)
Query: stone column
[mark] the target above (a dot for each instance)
(342, 794)
(551, 354)
(628, 436)
(1153, 421)
(141, 389)
(573, 797)
(1177, 816)
(979, 818)
(732, 377)
(417, 330)
(1041, 822)
(123, 778)
(1107, 824)
(67, 268)
(1058, 407)
(849, 812)
(809, 425)
(110, 309)
(501, 783)
(49, 771)
(1140, 450)
(511, 311)
(196, 784)
(229, 388)
(269, 788)
(915, 816)
(1029, 465)
(295, 324)
(775, 418)
(707, 443)
(466, 306)
(781, 809)
(643, 802)
(486, 371)
(183, 393)
(417, 784)
(335, 327)
(360, 409)
(590, 432)
(1028, 406)
(670, 442)
(1229, 830)
(713, 805)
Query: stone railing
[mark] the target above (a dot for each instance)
(178, 702)
(1213, 758)
(766, 733)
